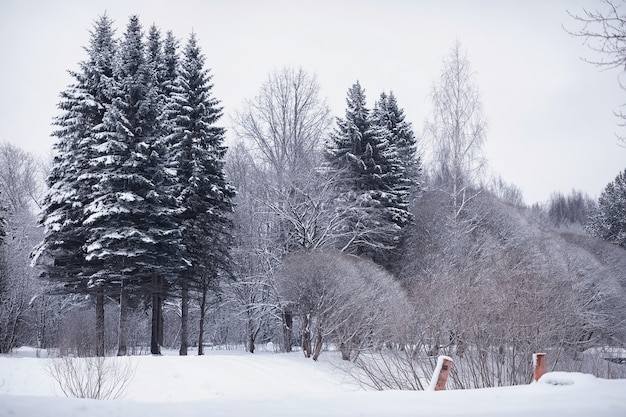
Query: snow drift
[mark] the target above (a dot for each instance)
(230, 384)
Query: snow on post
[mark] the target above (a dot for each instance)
(539, 365)
(440, 375)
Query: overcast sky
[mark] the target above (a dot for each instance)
(550, 116)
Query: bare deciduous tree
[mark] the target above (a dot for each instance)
(19, 183)
(285, 122)
(19, 190)
(492, 297)
(18, 283)
(510, 193)
(604, 32)
(457, 129)
(278, 203)
(261, 306)
(256, 250)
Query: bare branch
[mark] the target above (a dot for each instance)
(285, 122)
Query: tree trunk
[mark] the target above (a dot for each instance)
(41, 323)
(100, 322)
(201, 329)
(346, 352)
(161, 320)
(287, 331)
(251, 335)
(155, 347)
(10, 336)
(122, 349)
(318, 344)
(184, 313)
(306, 335)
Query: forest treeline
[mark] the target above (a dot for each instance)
(308, 232)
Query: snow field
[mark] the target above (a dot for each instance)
(230, 383)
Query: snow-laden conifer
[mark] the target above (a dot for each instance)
(83, 106)
(197, 154)
(132, 235)
(609, 220)
(363, 157)
(386, 113)
(61, 255)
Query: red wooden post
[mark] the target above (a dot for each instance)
(440, 376)
(539, 365)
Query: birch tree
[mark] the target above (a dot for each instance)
(457, 130)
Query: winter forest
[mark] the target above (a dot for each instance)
(359, 236)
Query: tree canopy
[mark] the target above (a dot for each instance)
(609, 220)
(135, 190)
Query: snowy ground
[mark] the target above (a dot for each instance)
(224, 383)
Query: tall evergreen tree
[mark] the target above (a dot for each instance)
(609, 221)
(132, 234)
(386, 113)
(162, 66)
(169, 68)
(61, 254)
(202, 190)
(364, 159)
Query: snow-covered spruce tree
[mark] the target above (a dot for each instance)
(132, 234)
(609, 221)
(362, 157)
(202, 190)
(406, 177)
(386, 113)
(60, 256)
(162, 62)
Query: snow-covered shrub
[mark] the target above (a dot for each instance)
(495, 286)
(99, 378)
(341, 300)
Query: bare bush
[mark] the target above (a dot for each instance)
(95, 377)
(501, 287)
(602, 362)
(341, 300)
(400, 367)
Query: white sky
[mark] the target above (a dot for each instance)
(550, 115)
